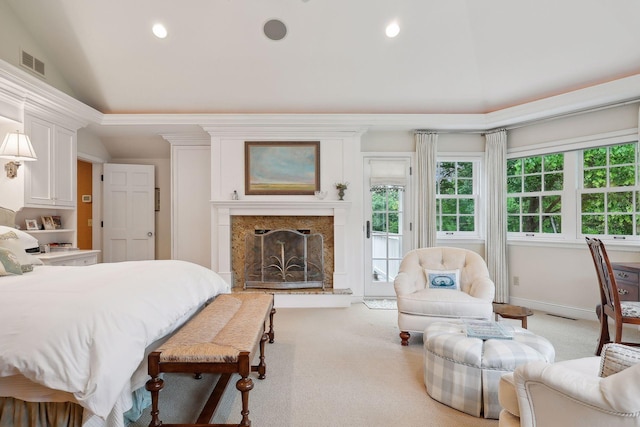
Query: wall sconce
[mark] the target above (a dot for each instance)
(16, 147)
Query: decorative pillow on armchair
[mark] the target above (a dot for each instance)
(617, 357)
(443, 279)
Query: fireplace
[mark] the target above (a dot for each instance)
(254, 229)
(283, 259)
(233, 220)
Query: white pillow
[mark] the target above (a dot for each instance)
(443, 279)
(15, 246)
(27, 240)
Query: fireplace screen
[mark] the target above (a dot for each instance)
(284, 259)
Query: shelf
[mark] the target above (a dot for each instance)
(60, 230)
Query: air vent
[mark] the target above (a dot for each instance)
(32, 63)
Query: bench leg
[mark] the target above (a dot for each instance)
(262, 367)
(271, 332)
(154, 385)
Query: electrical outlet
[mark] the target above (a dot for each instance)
(516, 280)
(90, 222)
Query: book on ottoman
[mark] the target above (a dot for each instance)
(487, 329)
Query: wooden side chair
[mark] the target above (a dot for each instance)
(610, 305)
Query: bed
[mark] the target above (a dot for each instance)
(81, 335)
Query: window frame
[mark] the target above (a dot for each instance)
(477, 191)
(606, 190)
(542, 193)
(571, 225)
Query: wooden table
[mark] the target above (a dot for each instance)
(509, 311)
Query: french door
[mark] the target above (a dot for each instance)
(387, 222)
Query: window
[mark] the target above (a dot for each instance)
(534, 194)
(609, 203)
(457, 191)
(590, 189)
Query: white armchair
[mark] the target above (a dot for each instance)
(593, 391)
(420, 305)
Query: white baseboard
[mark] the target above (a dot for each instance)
(311, 301)
(557, 309)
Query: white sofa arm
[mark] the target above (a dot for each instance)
(552, 395)
(407, 282)
(483, 288)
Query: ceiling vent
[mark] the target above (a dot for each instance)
(32, 63)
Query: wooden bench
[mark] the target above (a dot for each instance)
(222, 339)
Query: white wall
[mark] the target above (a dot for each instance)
(14, 38)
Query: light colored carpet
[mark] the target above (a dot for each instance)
(381, 304)
(345, 366)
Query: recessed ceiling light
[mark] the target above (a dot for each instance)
(159, 31)
(393, 29)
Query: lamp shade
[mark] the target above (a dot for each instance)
(17, 146)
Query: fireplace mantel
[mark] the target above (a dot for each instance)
(223, 210)
(283, 207)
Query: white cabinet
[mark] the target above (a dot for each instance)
(50, 181)
(76, 258)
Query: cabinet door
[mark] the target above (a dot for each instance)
(64, 167)
(50, 181)
(38, 189)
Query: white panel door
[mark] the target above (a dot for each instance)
(128, 217)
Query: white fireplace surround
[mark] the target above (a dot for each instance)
(222, 211)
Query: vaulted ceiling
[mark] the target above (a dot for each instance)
(451, 56)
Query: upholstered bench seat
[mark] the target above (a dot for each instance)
(464, 372)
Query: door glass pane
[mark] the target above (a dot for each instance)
(386, 235)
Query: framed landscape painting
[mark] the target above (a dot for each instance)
(281, 167)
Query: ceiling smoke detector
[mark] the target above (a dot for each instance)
(275, 29)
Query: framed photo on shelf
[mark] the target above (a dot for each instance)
(47, 221)
(287, 167)
(57, 222)
(32, 224)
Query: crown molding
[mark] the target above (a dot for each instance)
(18, 88)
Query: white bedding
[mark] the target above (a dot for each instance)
(84, 330)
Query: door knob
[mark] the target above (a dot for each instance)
(149, 234)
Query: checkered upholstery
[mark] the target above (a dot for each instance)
(464, 373)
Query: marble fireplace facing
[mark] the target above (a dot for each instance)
(253, 249)
(233, 220)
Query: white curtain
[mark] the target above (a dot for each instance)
(426, 155)
(496, 242)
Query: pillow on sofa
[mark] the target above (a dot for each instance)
(617, 357)
(443, 279)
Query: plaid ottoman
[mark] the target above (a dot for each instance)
(464, 372)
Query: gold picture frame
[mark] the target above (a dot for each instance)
(282, 167)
